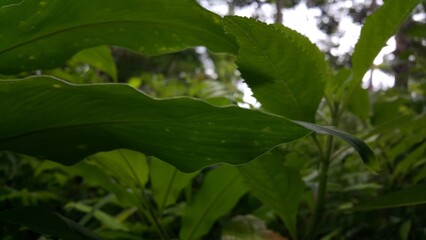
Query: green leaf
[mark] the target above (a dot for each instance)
(385, 111)
(279, 187)
(28, 197)
(46, 222)
(167, 182)
(130, 168)
(9, 3)
(221, 189)
(408, 159)
(284, 69)
(334, 87)
(41, 35)
(360, 105)
(378, 28)
(366, 154)
(404, 230)
(413, 195)
(51, 119)
(420, 175)
(98, 57)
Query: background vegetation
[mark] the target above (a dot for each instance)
(314, 188)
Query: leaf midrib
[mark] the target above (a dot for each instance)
(81, 125)
(57, 32)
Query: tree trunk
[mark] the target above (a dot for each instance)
(401, 65)
(231, 8)
(279, 14)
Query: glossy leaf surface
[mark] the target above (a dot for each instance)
(279, 187)
(44, 34)
(221, 190)
(47, 222)
(284, 69)
(51, 119)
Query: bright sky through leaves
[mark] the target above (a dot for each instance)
(304, 20)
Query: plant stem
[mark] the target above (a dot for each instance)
(322, 188)
(154, 217)
(336, 113)
(151, 215)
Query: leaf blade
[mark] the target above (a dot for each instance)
(277, 63)
(98, 57)
(378, 28)
(40, 35)
(187, 133)
(221, 190)
(366, 154)
(130, 168)
(264, 174)
(167, 182)
(413, 195)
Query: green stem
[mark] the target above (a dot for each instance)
(169, 188)
(151, 215)
(95, 208)
(323, 178)
(317, 143)
(155, 219)
(322, 188)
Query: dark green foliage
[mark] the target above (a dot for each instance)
(47, 222)
(118, 152)
(186, 132)
(33, 31)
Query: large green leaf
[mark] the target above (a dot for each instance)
(366, 154)
(279, 187)
(51, 119)
(43, 34)
(378, 28)
(284, 69)
(221, 190)
(47, 222)
(167, 182)
(410, 196)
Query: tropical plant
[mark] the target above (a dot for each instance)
(151, 165)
